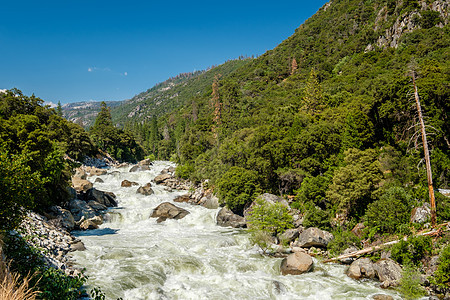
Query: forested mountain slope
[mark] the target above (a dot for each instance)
(328, 114)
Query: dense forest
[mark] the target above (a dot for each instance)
(328, 116)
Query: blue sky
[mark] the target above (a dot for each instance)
(81, 50)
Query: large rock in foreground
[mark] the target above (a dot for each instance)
(361, 268)
(296, 263)
(389, 272)
(167, 210)
(314, 237)
(226, 218)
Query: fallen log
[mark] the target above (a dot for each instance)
(436, 231)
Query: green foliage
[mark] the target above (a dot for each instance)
(342, 240)
(390, 211)
(412, 250)
(273, 218)
(442, 207)
(354, 184)
(52, 283)
(410, 286)
(316, 217)
(237, 188)
(442, 274)
(184, 171)
(19, 187)
(116, 142)
(262, 239)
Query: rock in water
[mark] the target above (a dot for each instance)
(167, 210)
(389, 272)
(296, 263)
(161, 178)
(314, 237)
(145, 190)
(127, 183)
(361, 268)
(226, 218)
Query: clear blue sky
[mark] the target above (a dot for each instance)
(78, 50)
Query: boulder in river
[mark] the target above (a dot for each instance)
(167, 210)
(145, 190)
(361, 268)
(127, 183)
(389, 272)
(182, 198)
(314, 237)
(80, 208)
(161, 178)
(88, 224)
(81, 185)
(138, 168)
(296, 263)
(289, 235)
(226, 218)
(145, 162)
(105, 198)
(66, 217)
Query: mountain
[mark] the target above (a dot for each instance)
(85, 112)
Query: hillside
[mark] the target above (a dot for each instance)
(85, 112)
(328, 115)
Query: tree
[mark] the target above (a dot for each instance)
(59, 111)
(313, 101)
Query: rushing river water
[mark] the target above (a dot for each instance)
(133, 257)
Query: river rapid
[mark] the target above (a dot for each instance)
(133, 257)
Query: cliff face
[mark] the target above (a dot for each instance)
(426, 14)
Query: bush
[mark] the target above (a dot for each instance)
(410, 283)
(273, 218)
(316, 217)
(412, 250)
(390, 211)
(442, 274)
(184, 171)
(342, 240)
(237, 188)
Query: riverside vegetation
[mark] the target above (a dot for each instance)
(325, 119)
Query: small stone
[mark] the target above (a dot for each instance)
(127, 183)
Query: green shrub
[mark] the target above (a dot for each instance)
(262, 239)
(184, 171)
(442, 208)
(442, 274)
(316, 217)
(410, 283)
(342, 240)
(412, 250)
(273, 218)
(237, 188)
(390, 211)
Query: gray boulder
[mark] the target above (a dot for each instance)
(145, 162)
(210, 201)
(389, 272)
(105, 198)
(314, 237)
(88, 224)
(167, 210)
(66, 217)
(145, 190)
(296, 263)
(80, 208)
(97, 206)
(182, 198)
(139, 168)
(421, 214)
(289, 235)
(227, 218)
(268, 198)
(361, 268)
(348, 260)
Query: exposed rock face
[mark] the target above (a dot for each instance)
(127, 183)
(161, 178)
(314, 237)
(95, 171)
(389, 272)
(296, 263)
(167, 210)
(145, 190)
(361, 268)
(226, 218)
(421, 214)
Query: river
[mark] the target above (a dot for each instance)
(133, 257)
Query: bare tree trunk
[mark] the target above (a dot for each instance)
(427, 155)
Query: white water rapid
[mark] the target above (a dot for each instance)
(133, 257)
